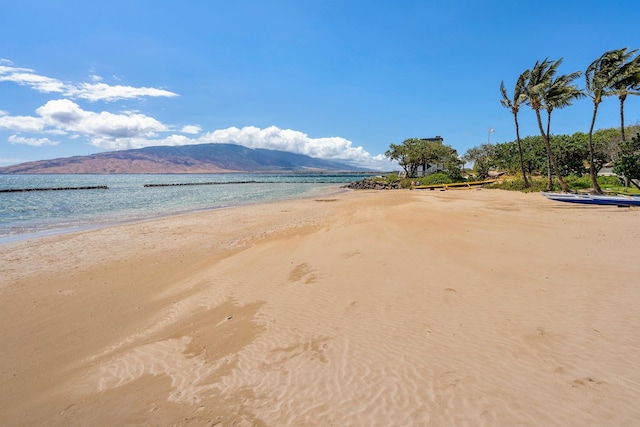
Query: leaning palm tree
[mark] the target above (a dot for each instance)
(602, 76)
(559, 94)
(540, 80)
(629, 84)
(519, 97)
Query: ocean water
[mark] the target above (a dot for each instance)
(34, 213)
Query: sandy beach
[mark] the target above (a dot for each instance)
(397, 308)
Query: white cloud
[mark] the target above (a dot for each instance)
(105, 92)
(108, 143)
(63, 114)
(90, 91)
(26, 77)
(191, 129)
(274, 138)
(36, 142)
(62, 117)
(21, 123)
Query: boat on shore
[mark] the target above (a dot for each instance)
(594, 199)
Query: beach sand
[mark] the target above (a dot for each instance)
(398, 308)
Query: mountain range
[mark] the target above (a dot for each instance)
(201, 158)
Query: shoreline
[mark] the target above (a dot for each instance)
(11, 238)
(377, 308)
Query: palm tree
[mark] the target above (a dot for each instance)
(519, 97)
(602, 76)
(559, 94)
(629, 84)
(541, 78)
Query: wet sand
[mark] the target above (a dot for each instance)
(467, 307)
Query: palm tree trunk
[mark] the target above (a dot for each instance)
(547, 145)
(592, 167)
(524, 174)
(622, 98)
(549, 174)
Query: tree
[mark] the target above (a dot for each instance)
(507, 157)
(400, 153)
(432, 152)
(541, 79)
(559, 94)
(533, 152)
(628, 163)
(571, 153)
(452, 166)
(416, 152)
(482, 157)
(628, 84)
(519, 97)
(602, 77)
(606, 147)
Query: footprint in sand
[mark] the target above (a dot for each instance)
(302, 271)
(585, 382)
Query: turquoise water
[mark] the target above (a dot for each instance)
(24, 214)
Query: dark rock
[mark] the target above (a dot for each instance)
(372, 184)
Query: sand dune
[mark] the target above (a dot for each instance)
(367, 308)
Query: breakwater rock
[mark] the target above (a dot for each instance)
(200, 183)
(372, 184)
(20, 190)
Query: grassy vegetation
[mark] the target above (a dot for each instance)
(517, 184)
(436, 178)
(609, 184)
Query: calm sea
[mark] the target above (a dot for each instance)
(34, 213)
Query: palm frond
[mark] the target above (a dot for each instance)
(561, 93)
(540, 78)
(629, 80)
(520, 90)
(505, 101)
(606, 75)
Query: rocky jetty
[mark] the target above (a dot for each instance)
(21, 190)
(372, 184)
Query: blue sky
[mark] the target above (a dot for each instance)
(332, 79)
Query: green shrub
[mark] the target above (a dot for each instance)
(436, 178)
(393, 178)
(576, 182)
(608, 180)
